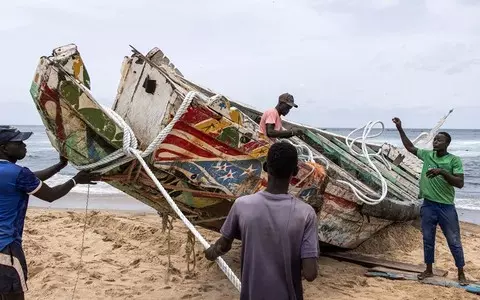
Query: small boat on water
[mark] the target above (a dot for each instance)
(206, 149)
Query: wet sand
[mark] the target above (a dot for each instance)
(126, 257)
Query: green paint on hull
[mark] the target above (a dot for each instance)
(71, 92)
(230, 136)
(102, 124)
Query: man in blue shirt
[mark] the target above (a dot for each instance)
(16, 184)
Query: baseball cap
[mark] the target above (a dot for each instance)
(12, 134)
(287, 99)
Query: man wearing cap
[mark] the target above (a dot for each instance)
(16, 184)
(271, 122)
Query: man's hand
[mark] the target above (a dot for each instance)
(434, 172)
(221, 246)
(84, 177)
(63, 161)
(211, 253)
(297, 131)
(397, 122)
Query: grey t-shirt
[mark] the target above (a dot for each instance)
(277, 232)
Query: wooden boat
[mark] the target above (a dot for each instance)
(214, 153)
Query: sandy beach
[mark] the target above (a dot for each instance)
(126, 257)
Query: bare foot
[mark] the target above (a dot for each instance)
(425, 274)
(462, 280)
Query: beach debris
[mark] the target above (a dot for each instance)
(435, 280)
(371, 262)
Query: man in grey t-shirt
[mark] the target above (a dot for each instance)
(279, 234)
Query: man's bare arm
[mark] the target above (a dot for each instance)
(49, 172)
(405, 140)
(51, 194)
(457, 180)
(309, 268)
(272, 133)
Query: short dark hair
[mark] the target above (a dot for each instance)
(282, 160)
(447, 136)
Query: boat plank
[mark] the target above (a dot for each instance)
(370, 262)
(393, 177)
(358, 165)
(397, 169)
(410, 165)
(373, 149)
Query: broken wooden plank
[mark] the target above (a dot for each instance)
(364, 169)
(435, 280)
(409, 163)
(393, 163)
(370, 262)
(384, 269)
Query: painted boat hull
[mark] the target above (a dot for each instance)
(214, 154)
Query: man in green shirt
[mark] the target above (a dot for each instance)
(441, 173)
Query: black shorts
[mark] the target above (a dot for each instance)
(13, 270)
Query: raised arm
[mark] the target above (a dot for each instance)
(49, 172)
(405, 140)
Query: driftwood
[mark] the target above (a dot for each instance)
(371, 262)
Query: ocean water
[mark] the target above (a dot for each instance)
(465, 143)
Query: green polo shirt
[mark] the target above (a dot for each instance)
(437, 188)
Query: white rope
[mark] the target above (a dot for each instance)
(310, 157)
(123, 155)
(129, 152)
(365, 153)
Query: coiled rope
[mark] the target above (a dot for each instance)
(365, 153)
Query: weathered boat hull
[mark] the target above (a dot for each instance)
(214, 153)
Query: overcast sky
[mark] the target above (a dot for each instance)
(345, 61)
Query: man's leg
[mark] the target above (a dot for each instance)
(448, 219)
(429, 229)
(12, 296)
(13, 271)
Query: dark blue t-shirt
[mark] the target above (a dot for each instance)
(16, 184)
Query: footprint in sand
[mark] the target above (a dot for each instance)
(96, 275)
(34, 271)
(59, 257)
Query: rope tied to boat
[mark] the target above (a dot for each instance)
(80, 263)
(130, 152)
(190, 252)
(306, 154)
(350, 142)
